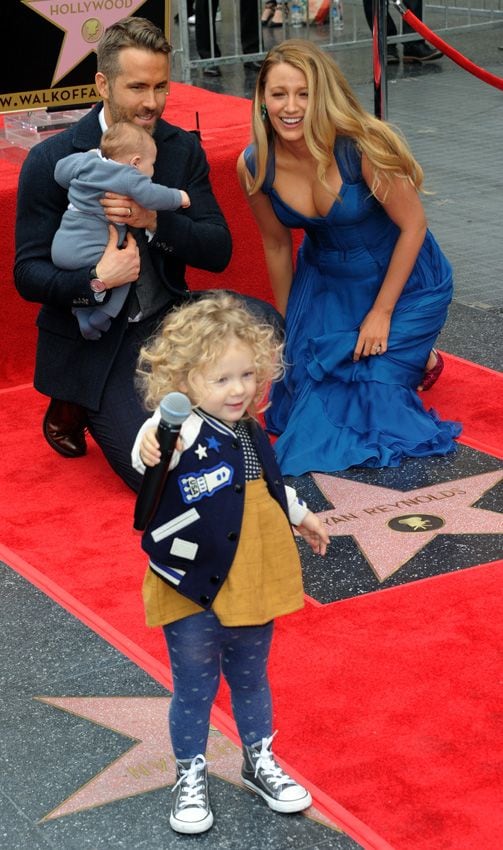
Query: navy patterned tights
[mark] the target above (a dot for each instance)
(200, 648)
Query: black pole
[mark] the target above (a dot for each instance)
(379, 54)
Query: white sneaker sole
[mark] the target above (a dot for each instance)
(188, 828)
(286, 807)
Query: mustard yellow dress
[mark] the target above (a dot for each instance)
(264, 582)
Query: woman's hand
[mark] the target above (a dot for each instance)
(374, 333)
(123, 210)
(314, 532)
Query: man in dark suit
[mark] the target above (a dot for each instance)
(91, 382)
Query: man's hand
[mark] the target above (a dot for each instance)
(123, 210)
(119, 265)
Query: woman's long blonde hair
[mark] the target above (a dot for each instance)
(193, 336)
(332, 110)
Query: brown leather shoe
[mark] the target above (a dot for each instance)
(64, 428)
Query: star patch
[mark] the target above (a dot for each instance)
(213, 443)
(201, 451)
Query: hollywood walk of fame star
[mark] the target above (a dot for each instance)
(149, 763)
(83, 25)
(391, 526)
(201, 451)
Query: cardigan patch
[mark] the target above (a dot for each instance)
(205, 482)
(173, 575)
(176, 524)
(184, 549)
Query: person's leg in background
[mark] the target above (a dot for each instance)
(190, 11)
(248, 11)
(115, 426)
(393, 57)
(206, 11)
(413, 51)
(268, 11)
(280, 15)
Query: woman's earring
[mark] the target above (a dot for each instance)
(263, 111)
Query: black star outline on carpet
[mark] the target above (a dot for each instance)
(148, 764)
(390, 526)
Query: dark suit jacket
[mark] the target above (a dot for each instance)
(68, 366)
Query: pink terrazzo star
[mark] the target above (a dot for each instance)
(83, 22)
(149, 763)
(391, 526)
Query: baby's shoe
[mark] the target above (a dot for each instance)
(99, 320)
(262, 774)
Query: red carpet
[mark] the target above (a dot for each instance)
(387, 702)
(473, 395)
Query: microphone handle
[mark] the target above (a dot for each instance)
(154, 478)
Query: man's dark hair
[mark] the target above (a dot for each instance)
(129, 32)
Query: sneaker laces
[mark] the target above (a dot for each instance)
(270, 769)
(193, 793)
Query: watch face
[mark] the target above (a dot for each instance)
(97, 285)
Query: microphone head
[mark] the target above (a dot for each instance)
(175, 407)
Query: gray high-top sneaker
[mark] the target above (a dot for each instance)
(262, 774)
(190, 803)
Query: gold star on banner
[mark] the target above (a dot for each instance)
(83, 25)
(149, 763)
(391, 526)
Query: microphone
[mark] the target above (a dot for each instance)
(175, 407)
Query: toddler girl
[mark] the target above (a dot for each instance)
(223, 562)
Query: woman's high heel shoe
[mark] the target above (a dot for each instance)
(280, 15)
(432, 375)
(268, 12)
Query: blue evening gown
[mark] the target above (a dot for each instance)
(330, 412)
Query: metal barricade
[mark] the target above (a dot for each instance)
(442, 16)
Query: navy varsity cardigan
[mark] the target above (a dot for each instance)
(192, 539)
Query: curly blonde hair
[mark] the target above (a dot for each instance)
(332, 109)
(193, 336)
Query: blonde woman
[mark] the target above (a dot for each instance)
(370, 289)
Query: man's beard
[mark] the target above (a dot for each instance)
(118, 113)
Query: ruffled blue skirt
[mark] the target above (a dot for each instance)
(332, 413)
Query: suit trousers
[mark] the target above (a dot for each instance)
(121, 414)
(206, 10)
(415, 6)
